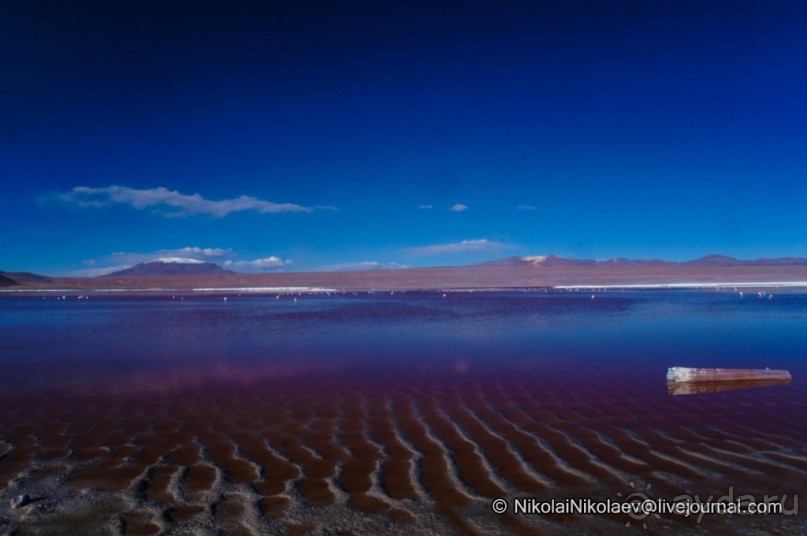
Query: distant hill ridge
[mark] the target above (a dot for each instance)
(22, 278)
(709, 260)
(722, 260)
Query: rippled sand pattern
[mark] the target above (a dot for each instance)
(394, 456)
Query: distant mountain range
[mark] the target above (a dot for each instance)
(514, 272)
(171, 266)
(709, 260)
(722, 260)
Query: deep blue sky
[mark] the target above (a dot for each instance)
(587, 129)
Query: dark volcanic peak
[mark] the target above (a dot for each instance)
(23, 278)
(171, 266)
(7, 282)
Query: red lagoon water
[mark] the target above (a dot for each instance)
(404, 414)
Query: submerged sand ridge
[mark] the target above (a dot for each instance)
(394, 454)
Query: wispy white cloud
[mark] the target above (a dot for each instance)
(526, 207)
(426, 206)
(198, 253)
(171, 202)
(364, 265)
(466, 246)
(258, 265)
(459, 207)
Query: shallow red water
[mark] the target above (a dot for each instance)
(333, 435)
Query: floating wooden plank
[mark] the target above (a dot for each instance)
(689, 375)
(694, 381)
(698, 388)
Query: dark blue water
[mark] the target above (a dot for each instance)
(563, 334)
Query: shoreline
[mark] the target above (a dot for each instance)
(731, 286)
